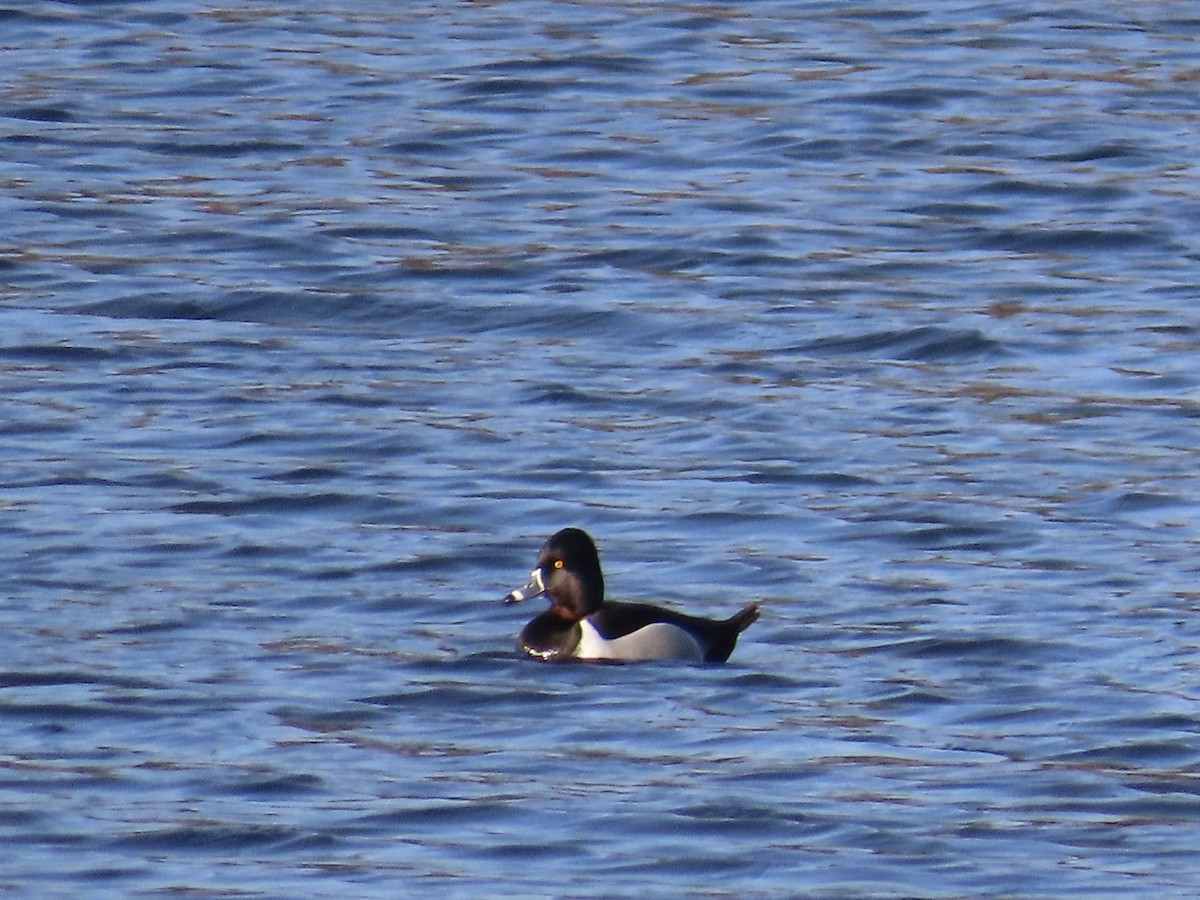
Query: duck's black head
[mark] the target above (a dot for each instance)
(568, 571)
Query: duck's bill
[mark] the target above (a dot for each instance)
(535, 588)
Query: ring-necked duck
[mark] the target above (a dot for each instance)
(580, 625)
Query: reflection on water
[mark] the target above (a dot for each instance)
(317, 322)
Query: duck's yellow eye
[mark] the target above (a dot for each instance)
(558, 564)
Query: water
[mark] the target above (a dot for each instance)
(317, 321)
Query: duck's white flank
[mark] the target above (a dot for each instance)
(657, 641)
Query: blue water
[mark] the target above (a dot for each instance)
(317, 319)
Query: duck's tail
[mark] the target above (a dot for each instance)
(728, 631)
(745, 618)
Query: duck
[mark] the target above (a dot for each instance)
(581, 625)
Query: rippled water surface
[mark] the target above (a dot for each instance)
(315, 321)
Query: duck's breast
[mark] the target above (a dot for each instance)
(659, 640)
